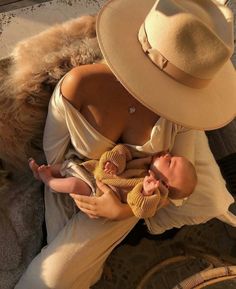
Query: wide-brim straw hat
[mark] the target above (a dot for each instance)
(173, 56)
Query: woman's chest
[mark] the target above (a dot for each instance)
(121, 120)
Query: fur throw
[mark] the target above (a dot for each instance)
(28, 78)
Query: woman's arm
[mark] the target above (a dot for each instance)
(107, 205)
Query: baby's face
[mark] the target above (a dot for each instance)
(174, 170)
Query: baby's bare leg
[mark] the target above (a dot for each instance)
(63, 185)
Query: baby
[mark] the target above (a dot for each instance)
(146, 183)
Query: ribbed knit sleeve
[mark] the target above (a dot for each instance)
(143, 206)
(119, 156)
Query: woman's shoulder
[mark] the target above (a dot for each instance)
(83, 79)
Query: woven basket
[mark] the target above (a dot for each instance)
(173, 270)
(222, 277)
(155, 265)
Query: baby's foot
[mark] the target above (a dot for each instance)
(34, 168)
(45, 173)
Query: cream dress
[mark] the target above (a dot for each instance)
(78, 246)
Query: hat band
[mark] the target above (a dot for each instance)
(164, 64)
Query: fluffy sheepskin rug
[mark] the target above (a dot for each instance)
(33, 69)
(27, 80)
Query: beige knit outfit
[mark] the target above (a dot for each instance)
(129, 177)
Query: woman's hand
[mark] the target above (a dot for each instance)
(107, 205)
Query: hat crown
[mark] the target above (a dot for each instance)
(195, 36)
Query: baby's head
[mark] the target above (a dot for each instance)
(178, 174)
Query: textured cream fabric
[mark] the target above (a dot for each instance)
(75, 258)
(78, 246)
(64, 124)
(210, 198)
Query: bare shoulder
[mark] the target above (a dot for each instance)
(81, 80)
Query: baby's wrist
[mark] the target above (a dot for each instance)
(147, 193)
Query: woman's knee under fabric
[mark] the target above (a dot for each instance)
(74, 258)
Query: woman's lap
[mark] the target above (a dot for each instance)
(75, 257)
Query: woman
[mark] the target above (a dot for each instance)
(175, 72)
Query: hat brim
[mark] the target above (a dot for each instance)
(212, 107)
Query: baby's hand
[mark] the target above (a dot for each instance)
(110, 168)
(150, 184)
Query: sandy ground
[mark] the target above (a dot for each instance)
(21, 23)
